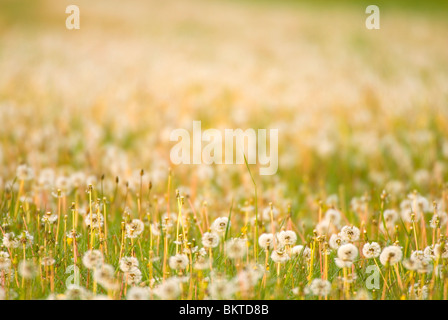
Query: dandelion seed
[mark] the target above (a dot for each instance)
(169, 290)
(47, 261)
(362, 295)
(371, 250)
(155, 229)
(279, 256)
(417, 292)
(49, 217)
(441, 250)
(128, 264)
(236, 248)
(10, 241)
(189, 250)
(221, 289)
(24, 172)
(105, 276)
(409, 216)
(347, 253)
(201, 263)
(133, 277)
(137, 293)
(336, 241)
(247, 208)
(5, 261)
(46, 178)
(305, 252)
(320, 287)
(77, 179)
(210, 240)
(72, 234)
(266, 241)
(429, 252)
(266, 213)
(92, 259)
(333, 216)
(27, 269)
(323, 227)
(350, 233)
(64, 184)
(438, 220)
(178, 262)
(390, 216)
(75, 292)
(391, 255)
(26, 239)
(411, 264)
(220, 225)
(424, 266)
(332, 200)
(287, 238)
(134, 228)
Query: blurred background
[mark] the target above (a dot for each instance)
(354, 107)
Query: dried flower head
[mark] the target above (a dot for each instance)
(391, 255)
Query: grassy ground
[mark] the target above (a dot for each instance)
(85, 121)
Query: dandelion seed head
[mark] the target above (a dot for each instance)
(371, 250)
(178, 262)
(219, 226)
(266, 241)
(287, 238)
(391, 255)
(210, 240)
(92, 259)
(236, 248)
(319, 287)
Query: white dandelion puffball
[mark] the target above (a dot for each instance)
(391, 255)
(390, 216)
(279, 256)
(134, 228)
(350, 233)
(266, 241)
(371, 250)
(220, 225)
(347, 252)
(168, 290)
(210, 240)
(287, 238)
(127, 264)
(138, 293)
(268, 215)
(92, 259)
(300, 250)
(441, 250)
(222, 289)
(336, 241)
(178, 262)
(333, 216)
(236, 248)
(320, 287)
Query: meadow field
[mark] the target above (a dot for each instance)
(92, 207)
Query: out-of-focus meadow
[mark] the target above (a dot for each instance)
(350, 103)
(358, 111)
